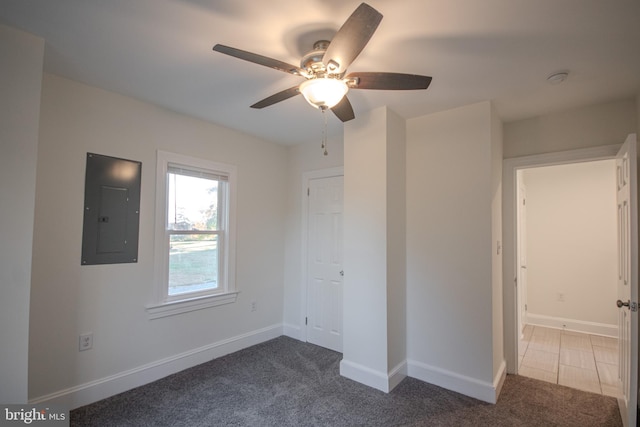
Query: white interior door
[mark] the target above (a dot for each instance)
(324, 267)
(626, 171)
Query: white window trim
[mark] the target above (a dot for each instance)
(164, 305)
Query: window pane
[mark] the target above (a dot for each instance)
(193, 263)
(192, 203)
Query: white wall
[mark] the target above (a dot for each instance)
(365, 249)
(21, 57)
(496, 241)
(571, 244)
(450, 229)
(396, 241)
(374, 250)
(638, 115)
(591, 126)
(109, 300)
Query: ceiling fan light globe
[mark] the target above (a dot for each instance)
(323, 92)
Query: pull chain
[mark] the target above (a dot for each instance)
(324, 131)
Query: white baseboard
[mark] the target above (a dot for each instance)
(593, 328)
(93, 391)
(498, 381)
(292, 331)
(372, 378)
(397, 374)
(481, 390)
(485, 391)
(84, 394)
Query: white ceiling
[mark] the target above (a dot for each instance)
(160, 51)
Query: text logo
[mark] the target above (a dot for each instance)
(15, 415)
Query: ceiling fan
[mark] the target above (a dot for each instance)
(324, 68)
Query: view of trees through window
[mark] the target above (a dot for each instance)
(193, 215)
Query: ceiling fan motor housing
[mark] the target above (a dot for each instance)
(312, 60)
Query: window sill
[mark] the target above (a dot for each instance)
(172, 308)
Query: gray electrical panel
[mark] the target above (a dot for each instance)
(111, 210)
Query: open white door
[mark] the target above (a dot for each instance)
(626, 171)
(324, 268)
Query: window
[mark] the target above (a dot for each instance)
(195, 239)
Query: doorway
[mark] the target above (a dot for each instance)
(567, 246)
(566, 267)
(509, 211)
(627, 274)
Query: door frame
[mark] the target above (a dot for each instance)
(521, 235)
(510, 167)
(306, 178)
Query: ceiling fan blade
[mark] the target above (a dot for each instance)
(343, 110)
(351, 38)
(388, 81)
(260, 60)
(280, 96)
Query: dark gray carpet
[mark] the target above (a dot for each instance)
(284, 382)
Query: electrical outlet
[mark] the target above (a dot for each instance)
(254, 306)
(85, 342)
(560, 297)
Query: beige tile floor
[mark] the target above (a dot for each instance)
(573, 359)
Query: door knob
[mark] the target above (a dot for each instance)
(342, 273)
(620, 304)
